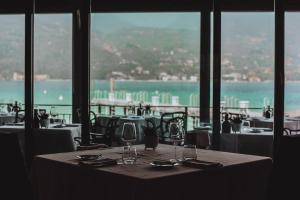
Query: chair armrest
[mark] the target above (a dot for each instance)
(78, 140)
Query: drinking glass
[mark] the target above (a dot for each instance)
(246, 126)
(175, 136)
(189, 152)
(129, 155)
(53, 111)
(129, 133)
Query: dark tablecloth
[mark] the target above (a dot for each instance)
(60, 177)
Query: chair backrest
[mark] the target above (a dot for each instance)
(105, 133)
(202, 139)
(167, 118)
(111, 127)
(93, 119)
(288, 131)
(13, 173)
(20, 116)
(150, 127)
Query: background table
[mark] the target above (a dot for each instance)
(245, 143)
(248, 143)
(291, 123)
(60, 177)
(5, 118)
(50, 140)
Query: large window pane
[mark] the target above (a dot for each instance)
(292, 64)
(12, 42)
(53, 63)
(146, 57)
(247, 61)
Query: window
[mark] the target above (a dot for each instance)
(151, 58)
(12, 56)
(292, 64)
(53, 63)
(247, 62)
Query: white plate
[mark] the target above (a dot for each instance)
(89, 157)
(163, 164)
(255, 130)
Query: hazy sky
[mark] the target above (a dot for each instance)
(157, 20)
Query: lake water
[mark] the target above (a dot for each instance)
(59, 92)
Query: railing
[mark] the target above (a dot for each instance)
(64, 111)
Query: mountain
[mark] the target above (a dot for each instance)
(150, 45)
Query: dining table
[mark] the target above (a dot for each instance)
(289, 122)
(252, 140)
(260, 143)
(6, 118)
(62, 176)
(56, 138)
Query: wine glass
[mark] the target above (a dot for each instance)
(53, 111)
(246, 126)
(128, 137)
(175, 136)
(129, 133)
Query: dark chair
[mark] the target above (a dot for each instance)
(150, 126)
(13, 173)
(105, 134)
(102, 134)
(199, 137)
(20, 116)
(288, 131)
(165, 120)
(151, 138)
(93, 117)
(286, 169)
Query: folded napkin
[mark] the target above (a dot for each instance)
(59, 126)
(201, 164)
(93, 146)
(99, 162)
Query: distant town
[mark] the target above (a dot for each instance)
(20, 77)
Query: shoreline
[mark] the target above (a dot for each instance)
(153, 80)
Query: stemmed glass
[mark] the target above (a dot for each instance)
(53, 111)
(175, 136)
(129, 133)
(246, 126)
(129, 136)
